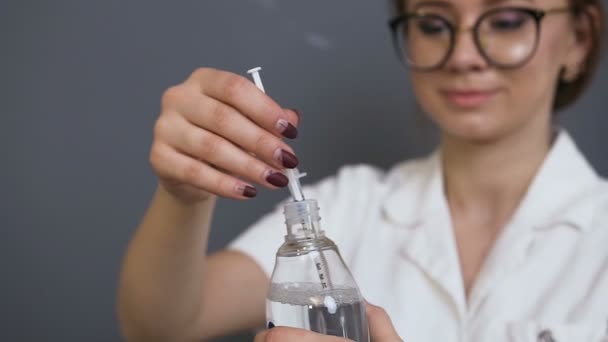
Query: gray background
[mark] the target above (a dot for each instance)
(80, 83)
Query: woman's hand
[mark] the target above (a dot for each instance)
(380, 329)
(216, 133)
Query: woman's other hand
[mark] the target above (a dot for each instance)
(380, 328)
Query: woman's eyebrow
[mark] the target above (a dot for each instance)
(500, 2)
(433, 3)
(449, 4)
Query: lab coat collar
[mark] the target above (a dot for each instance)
(560, 191)
(415, 191)
(556, 194)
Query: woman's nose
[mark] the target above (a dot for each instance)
(465, 55)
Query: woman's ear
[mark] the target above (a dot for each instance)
(586, 25)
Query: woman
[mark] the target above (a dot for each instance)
(500, 234)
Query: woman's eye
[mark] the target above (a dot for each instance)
(431, 26)
(507, 22)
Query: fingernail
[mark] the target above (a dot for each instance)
(249, 191)
(277, 179)
(286, 129)
(286, 159)
(270, 325)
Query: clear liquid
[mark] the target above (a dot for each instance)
(339, 311)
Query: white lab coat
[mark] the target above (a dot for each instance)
(547, 272)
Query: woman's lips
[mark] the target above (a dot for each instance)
(469, 98)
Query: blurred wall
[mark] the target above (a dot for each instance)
(80, 83)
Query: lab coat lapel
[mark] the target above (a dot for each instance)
(509, 253)
(419, 208)
(431, 248)
(551, 201)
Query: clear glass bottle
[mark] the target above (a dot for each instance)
(311, 287)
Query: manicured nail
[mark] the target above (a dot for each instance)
(277, 179)
(286, 129)
(286, 159)
(270, 325)
(249, 191)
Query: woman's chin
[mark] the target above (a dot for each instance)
(476, 129)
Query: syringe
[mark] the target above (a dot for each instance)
(295, 188)
(294, 175)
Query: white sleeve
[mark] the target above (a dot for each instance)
(262, 239)
(336, 196)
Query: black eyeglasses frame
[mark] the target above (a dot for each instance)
(535, 13)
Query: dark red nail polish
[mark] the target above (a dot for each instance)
(289, 160)
(286, 129)
(277, 179)
(249, 191)
(290, 131)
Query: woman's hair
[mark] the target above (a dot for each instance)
(568, 92)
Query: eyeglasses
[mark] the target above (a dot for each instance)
(506, 37)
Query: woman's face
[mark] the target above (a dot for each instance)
(472, 100)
